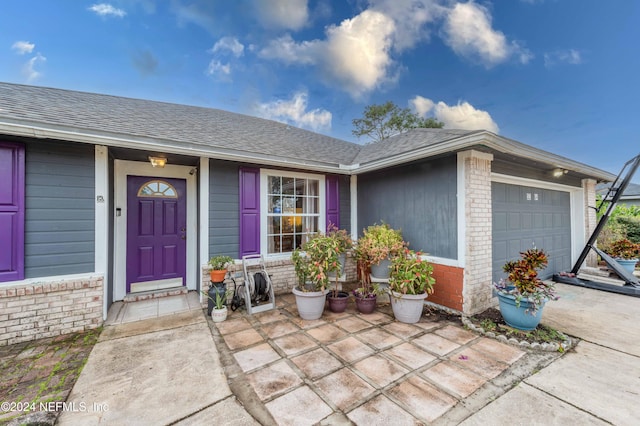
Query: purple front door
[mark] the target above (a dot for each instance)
(156, 230)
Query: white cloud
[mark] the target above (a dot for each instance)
(29, 68)
(22, 47)
(282, 14)
(230, 44)
(105, 9)
(287, 50)
(411, 18)
(460, 116)
(468, 31)
(569, 56)
(219, 70)
(294, 111)
(355, 53)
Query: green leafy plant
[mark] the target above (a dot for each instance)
(410, 274)
(319, 257)
(301, 266)
(624, 249)
(220, 299)
(379, 242)
(523, 282)
(220, 262)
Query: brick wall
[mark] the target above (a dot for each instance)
(590, 220)
(34, 311)
(448, 288)
(478, 235)
(283, 276)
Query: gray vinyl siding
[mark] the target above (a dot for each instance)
(59, 209)
(224, 209)
(418, 198)
(344, 189)
(535, 173)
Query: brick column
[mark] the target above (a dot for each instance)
(476, 181)
(590, 220)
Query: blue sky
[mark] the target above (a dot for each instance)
(561, 75)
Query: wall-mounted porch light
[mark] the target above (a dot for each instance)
(157, 161)
(559, 172)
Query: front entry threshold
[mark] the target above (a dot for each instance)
(146, 286)
(155, 294)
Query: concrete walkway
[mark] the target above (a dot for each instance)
(597, 383)
(164, 369)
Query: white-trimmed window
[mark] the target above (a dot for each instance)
(293, 206)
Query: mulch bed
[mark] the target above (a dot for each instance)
(491, 323)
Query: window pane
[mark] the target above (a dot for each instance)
(287, 224)
(288, 185)
(288, 205)
(300, 186)
(274, 185)
(275, 204)
(310, 224)
(273, 242)
(310, 205)
(312, 187)
(287, 243)
(298, 240)
(274, 225)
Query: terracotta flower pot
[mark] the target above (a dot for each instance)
(217, 275)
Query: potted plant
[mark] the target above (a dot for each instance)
(323, 251)
(376, 247)
(343, 243)
(219, 311)
(218, 265)
(410, 281)
(366, 296)
(523, 294)
(625, 252)
(312, 282)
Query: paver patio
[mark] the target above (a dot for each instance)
(367, 369)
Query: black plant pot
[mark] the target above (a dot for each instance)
(215, 289)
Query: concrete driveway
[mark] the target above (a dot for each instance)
(597, 383)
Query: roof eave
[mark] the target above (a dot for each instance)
(490, 140)
(32, 130)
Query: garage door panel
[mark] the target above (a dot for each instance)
(534, 217)
(500, 222)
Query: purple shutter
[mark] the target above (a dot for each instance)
(333, 201)
(249, 211)
(11, 212)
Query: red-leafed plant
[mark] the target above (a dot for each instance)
(523, 282)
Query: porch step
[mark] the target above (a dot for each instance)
(155, 294)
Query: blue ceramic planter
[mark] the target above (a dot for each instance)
(628, 264)
(515, 316)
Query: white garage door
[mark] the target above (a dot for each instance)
(526, 217)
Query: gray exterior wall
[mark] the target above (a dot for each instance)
(224, 209)
(419, 198)
(344, 190)
(519, 170)
(59, 208)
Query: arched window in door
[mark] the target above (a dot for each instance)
(157, 189)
